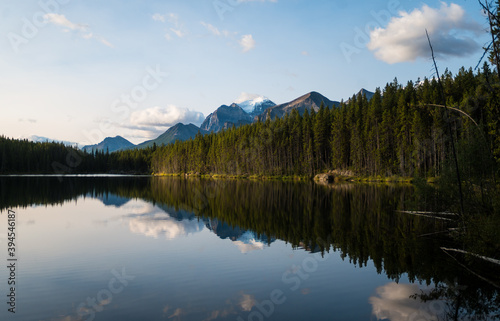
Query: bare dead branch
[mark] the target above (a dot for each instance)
(492, 20)
(456, 109)
(485, 258)
(428, 213)
(474, 273)
(429, 216)
(443, 98)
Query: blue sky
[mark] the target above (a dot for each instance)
(79, 70)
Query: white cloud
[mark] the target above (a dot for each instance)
(404, 39)
(82, 29)
(211, 28)
(165, 116)
(173, 18)
(158, 17)
(104, 41)
(304, 53)
(61, 20)
(176, 28)
(178, 32)
(247, 43)
(247, 96)
(217, 32)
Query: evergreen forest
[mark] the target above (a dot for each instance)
(401, 131)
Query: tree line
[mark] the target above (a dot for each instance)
(399, 131)
(27, 157)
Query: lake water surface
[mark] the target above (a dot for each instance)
(129, 248)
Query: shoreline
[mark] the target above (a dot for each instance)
(325, 178)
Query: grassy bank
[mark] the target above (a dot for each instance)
(227, 176)
(338, 176)
(331, 178)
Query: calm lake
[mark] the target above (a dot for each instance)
(142, 248)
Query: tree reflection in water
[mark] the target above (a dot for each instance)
(360, 221)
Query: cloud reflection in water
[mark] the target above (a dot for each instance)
(155, 222)
(392, 302)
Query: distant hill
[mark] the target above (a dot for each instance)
(310, 101)
(178, 132)
(111, 144)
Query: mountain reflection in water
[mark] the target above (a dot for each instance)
(359, 222)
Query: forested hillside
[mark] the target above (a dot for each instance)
(401, 130)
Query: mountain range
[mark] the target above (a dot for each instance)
(224, 117)
(40, 139)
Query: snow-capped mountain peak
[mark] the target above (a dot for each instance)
(41, 139)
(252, 103)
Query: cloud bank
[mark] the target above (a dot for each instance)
(403, 39)
(165, 116)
